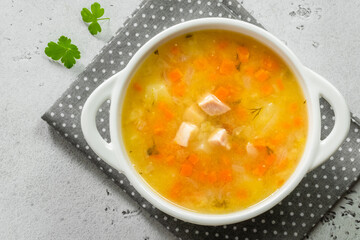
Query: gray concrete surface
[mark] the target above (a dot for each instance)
(49, 191)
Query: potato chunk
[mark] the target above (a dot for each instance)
(194, 115)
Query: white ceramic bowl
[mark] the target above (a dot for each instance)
(313, 86)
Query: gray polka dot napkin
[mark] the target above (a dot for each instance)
(292, 218)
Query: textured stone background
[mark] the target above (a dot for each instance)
(49, 191)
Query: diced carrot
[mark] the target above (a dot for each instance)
(280, 182)
(222, 93)
(186, 170)
(175, 75)
(250, 70)
(286, 125)
(175, 49)
(225, 162)
(164, 108)
(179, 89)
(267, 89)
(298, 121)
(159, 128)
(212, 177)
(242, 193)
(278, 139)
(260, 170)
(222, 44)
(227, 67)
(193, 158)
(169, 159)
(137, 87)
(262, 75)
(175, 190)
(282, 165)
(294, 107)
(242, 113)
(225, 175)
(243, 54)
(270, 159)
(280, 84)
(270, 64)
(200, 63)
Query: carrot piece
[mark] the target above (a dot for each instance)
(294, 107)
(280, 84)
(269, 160)
(193, 158)
(159, 128)
(169, 159)
(286, 125)
(260, 170)
(179, 89)
(212, 177)
(267, 89)
(250, 70)
(242, 193)
(222, 93)
(175, 75)
(280, 182)
(227, 66)
(175, 49)
(222, 44)
(225, 176)
(298, 122)
(243, 54)
(175, 190)
(282, 165)
(270, 64)
(242, 113)
(186, 170)
(225, 162)
(200, 63)
(137, 87)
(164, 108)
(262, 75)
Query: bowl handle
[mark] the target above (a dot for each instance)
(88, 122)
(324, 89)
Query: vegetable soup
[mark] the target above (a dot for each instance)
(214, 121)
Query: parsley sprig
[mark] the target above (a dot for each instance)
(93, 17)
(63, 50)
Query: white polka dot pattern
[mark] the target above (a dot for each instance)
(290, 219)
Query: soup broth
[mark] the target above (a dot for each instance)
(214, 121)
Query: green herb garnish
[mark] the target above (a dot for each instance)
(63, 50)
(152, 150)
(255, 111)
(269, 151)
(93, 17)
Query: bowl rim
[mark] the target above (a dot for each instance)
(262, 36)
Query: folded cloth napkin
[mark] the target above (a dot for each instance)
(290, 219)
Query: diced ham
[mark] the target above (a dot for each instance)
(213, 106)
(251, 150)
(221, 138)
(184, 133)
(193, 114)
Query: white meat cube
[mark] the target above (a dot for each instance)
(213, 106)
(220, 138)
(184, 133)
